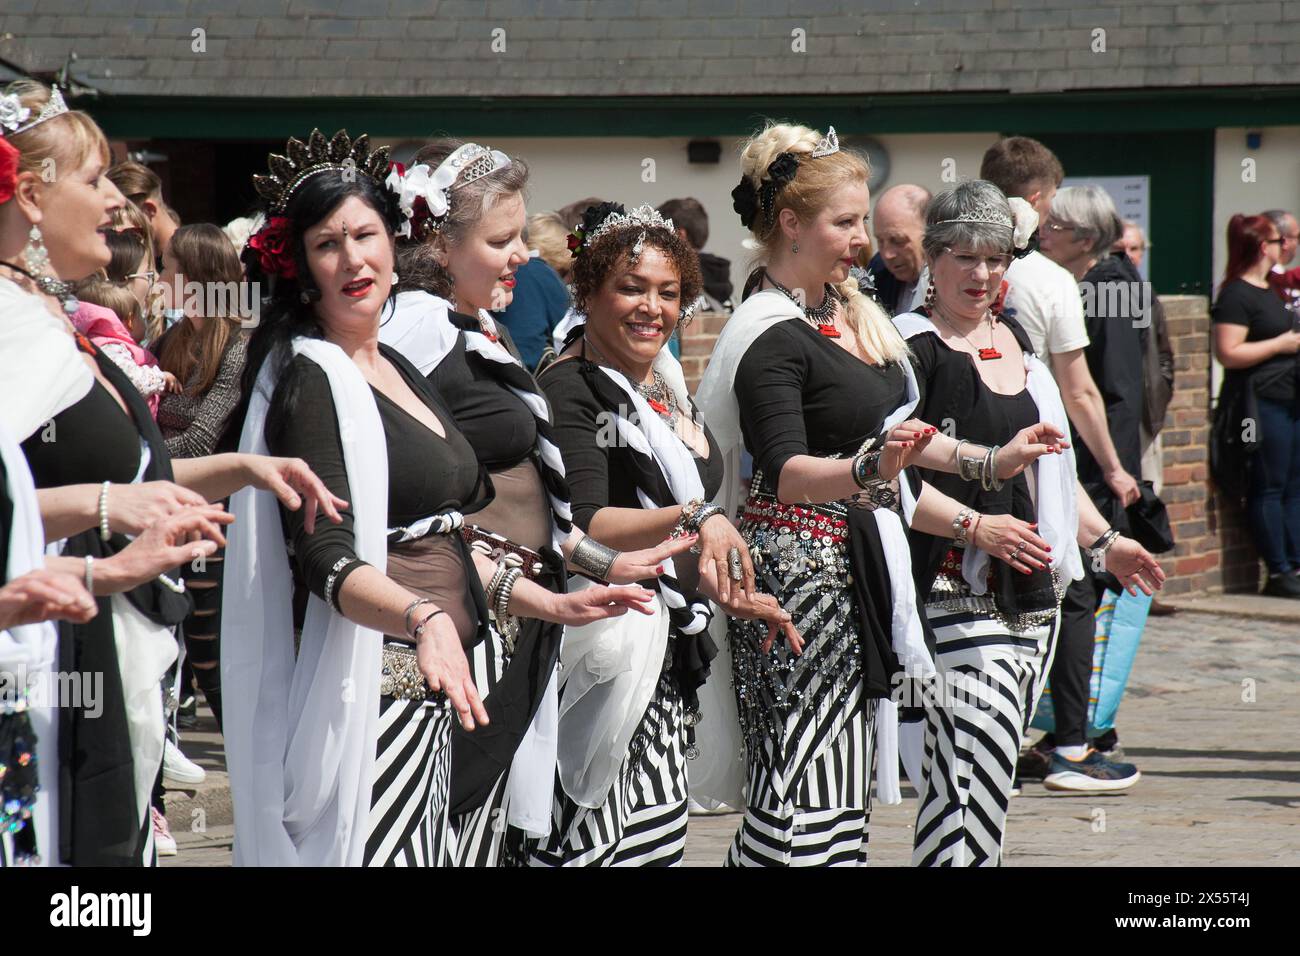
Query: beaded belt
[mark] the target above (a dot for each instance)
(950, 592)
(826, 521)
(400, 674)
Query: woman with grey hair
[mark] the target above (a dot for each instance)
(995, 624)
(1080, 229)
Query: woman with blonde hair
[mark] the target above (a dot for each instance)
(814, 380)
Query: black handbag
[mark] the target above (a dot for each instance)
(1146, 521)
(1234, 435)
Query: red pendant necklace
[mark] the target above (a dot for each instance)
(985, 354)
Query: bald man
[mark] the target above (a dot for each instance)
(899, 220)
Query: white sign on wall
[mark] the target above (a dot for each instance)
(1132, 197)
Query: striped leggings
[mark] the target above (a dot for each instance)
(991, 681)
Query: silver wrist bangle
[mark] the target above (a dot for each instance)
(416, 633)
(593, 557)
(410, 608)
(507, 623)
(104, 533)
(962, 525)
(703, 514)
(90, 574)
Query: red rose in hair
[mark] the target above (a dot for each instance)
(273, 245)
(8, 169)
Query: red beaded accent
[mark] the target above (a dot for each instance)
(990, 353)
(658, 406)
(830, 331)
(796, 518)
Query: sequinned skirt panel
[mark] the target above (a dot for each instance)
(808, 729)
(992, 679)
(408, 809)
(643, 819)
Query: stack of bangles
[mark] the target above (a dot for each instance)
(694, 514)
(593, 558)
(414, 632)
(866, 471)
(984, 470)
(498, 601)
(1101, 546)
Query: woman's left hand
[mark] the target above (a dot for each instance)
(292, 481)
(903, 443)
(597, 603)
(633, 566)
(718, 539)
(1134, 566)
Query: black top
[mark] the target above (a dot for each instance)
(599, 476)
(495, 421)
(1265, 317)
(6, 522)
(427, 474)
(952, 389)
(91, 441)
(1115, 358)
(801, 394)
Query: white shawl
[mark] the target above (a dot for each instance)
(28, 652)
(301, 733)
(41, 371)
(719, 725)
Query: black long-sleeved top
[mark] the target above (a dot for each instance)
(598, 474)
(952, 389)
(800, 394)
(494, 420)
(426, 473)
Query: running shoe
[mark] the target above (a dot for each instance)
(1091, 774)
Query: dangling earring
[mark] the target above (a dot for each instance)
(929, 295)
(35, 255)
(795, 248)
(308, 296)
(396, 278)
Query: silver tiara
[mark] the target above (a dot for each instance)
(12, 112)
(984, 212)
(830, 143)
(643, 217)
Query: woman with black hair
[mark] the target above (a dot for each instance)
(338, 752)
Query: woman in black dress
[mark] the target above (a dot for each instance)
(456, 267)
(641, 465)
(338, 748)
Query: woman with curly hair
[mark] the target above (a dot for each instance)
(642, 465)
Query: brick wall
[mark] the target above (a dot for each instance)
(1214, 552)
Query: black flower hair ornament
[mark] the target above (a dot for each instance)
(747, 200)
(591, 218)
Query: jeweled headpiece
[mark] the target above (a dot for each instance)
(13, 113)
(611, 217)
(424, 194)
(985, 212)
(301, 161)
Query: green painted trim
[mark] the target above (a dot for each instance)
(129, 117)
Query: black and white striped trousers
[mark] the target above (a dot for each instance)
(809, 734)
(990, 682)
(408, 808)
(643, 819)
(477, 838)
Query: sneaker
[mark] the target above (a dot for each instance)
(1108, 745)
(163, 841)
(1092, 774)
(1035, 762)
(1282, 585)
(187, 713)
(179, 771)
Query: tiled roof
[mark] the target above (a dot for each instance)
(592, 48)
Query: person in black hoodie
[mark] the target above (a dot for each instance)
(1078, 235)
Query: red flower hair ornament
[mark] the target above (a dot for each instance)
(273, 245)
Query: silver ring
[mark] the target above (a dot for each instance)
(734, 565)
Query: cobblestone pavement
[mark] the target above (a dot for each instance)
(1211, 719)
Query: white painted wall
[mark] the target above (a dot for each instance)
(1276, 185)
(566, 169)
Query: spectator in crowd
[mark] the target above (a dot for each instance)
(549, 238)
(1256, 342)
(898, 269)
(1133, 243)
(1077, 235)
(692, 224)
(1286, 282)
(141, 185)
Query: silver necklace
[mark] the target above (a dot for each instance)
(657, 394)
(823, 316)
